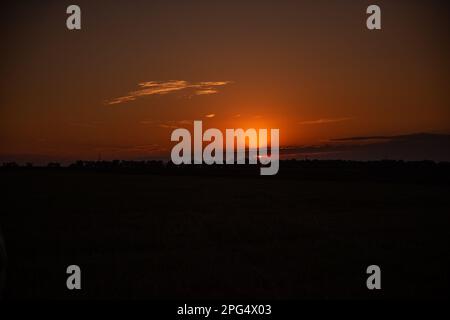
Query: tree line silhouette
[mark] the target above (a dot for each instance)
(419, 171)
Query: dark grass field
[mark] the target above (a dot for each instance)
(186, 237)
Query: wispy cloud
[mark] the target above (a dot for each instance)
(366, 138)
(324, 121)
(169, 124)
(206, 91)
(212, 115)
(165, 87)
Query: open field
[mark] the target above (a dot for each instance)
(174, 236)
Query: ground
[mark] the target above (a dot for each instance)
(182, 236)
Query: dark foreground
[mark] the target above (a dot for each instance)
(218, 236)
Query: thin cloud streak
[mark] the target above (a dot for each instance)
(160, 88)
(169, 124)
(324, 121)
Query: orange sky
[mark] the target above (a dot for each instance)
(138, 69)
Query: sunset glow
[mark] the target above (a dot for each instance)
(118, 91)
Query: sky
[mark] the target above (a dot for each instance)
(137, 70)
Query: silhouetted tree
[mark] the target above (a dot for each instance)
(53, 165)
